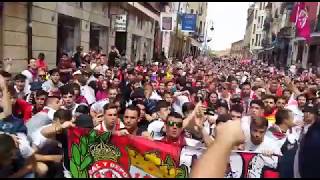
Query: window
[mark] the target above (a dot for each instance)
(260, 6)
(256, 40)
(255, 15)
(276, 14)
(191, 11)
(252, 42)
(258, 21)
(262, 21)
(200, 27)
(259, 40)
(81, 5)
(254, 29)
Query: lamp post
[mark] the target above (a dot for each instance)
(206, 40)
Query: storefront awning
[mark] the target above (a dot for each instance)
(195, 43)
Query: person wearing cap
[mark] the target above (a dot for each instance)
(310, 117)
(222, 107)
(34, 86)
(53, 82)
(155, 128)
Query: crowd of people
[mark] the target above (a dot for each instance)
(214, 103)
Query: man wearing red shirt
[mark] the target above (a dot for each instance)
(41, 62)
(174, 130)
(20, 108)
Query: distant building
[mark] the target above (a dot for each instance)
(236, 50)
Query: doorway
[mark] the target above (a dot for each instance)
(94, 36)
(121, 42)
(98, 37)
(68, 35)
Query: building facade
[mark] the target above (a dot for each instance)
(28, 28)
(247, 37)
(236, 50)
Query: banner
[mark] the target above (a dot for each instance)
(299, 16)
(252, 165)
(102, 155)
(166, 22)
(94, 155)
(189, 22)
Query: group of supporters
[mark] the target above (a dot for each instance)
(180, 102)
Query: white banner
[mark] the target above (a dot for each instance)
(243, 164)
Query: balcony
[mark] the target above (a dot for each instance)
(265, 43)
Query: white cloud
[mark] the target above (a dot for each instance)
(229, 21)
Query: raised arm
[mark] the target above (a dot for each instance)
(6, 99)
(214, 161)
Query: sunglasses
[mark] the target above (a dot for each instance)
(171, 124)
(41, 99)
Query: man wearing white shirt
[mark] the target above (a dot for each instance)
(86, 90)
(282, 133)
(256, 109)
(257, 141)
(155, 128)
(45, 116)
(68, 99)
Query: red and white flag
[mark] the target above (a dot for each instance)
(300, 17)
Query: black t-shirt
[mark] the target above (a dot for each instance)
(63, 139)
(112, 57)
(285, 163)
(143, 124)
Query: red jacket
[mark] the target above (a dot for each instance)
(22, 109)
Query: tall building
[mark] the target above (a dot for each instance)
(28, 28)
(257, 28)
(248, 33)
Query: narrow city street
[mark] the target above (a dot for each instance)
(159, 89)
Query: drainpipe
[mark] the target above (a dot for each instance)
(29, 29)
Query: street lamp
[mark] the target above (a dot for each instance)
(206, 39)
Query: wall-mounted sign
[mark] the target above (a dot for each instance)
(119, 22)
(189, 22)
(166, 22)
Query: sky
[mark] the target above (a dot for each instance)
(229, 22)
